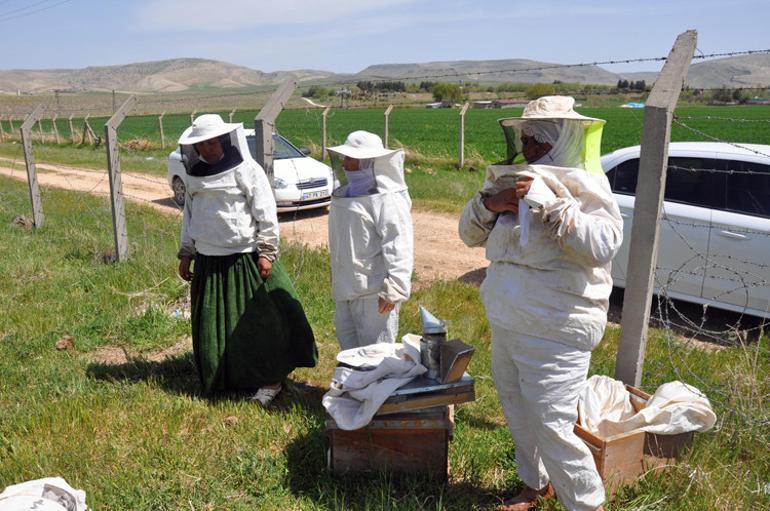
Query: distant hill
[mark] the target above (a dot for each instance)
(744, 71)
(492, 71)
(179, 75)
(173, 75)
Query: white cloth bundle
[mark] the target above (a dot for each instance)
(605, 409)
(47, 494)
(355, 395)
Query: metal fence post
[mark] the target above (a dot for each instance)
(2, 131)
(232, 113)
(387, 117)
(29, 159)
(461, 142)
(653, 163)
(116, 184)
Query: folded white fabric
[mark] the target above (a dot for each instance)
(355, 395)
(605, 409)
(47, 494)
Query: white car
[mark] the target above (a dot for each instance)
(299, 181)
(714, 245)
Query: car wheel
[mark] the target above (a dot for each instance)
(177, 186)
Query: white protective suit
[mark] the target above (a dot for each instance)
(241, 220)
(371, 250)
(546, 300)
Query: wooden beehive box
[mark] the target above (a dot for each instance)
(621, 459)
(414, 442)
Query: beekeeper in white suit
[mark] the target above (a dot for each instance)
(551, 227)
(370, 240)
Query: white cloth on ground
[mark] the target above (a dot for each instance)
(675, 407)
(359, 322)
(538, 382)
(46, 494)
(355, 395)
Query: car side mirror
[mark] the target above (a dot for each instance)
(306, 151)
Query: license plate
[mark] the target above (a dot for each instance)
(320, 194)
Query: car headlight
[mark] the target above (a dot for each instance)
(279, 183)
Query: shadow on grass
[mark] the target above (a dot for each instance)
(309, 477)
(175, 374)
(178, 375)
(691, 320)
(168, 202)
(474, 276)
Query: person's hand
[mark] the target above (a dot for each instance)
(522, 186)
(184, 268)
(502, 201)
(384, 306)
(265, 267)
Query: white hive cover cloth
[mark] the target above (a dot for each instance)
(605, 409)
(355, 395)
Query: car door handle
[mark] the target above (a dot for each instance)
(733, 235)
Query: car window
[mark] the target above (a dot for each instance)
(748, 188)
(688, 180)
(623, 177)
(694, 181)
(282, 149)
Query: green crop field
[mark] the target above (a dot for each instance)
(435, 132)
(430, 138)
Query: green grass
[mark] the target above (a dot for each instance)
(138, 435)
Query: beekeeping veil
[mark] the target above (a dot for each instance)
(380, 169)
(208, 126)
(575, 139)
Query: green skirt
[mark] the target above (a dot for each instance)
(247, 332)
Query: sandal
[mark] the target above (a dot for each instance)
(265, 395)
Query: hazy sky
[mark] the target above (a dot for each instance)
(348, 35)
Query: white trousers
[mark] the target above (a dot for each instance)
(538, 382)
(359, 323)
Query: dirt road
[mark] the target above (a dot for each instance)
(439, 253)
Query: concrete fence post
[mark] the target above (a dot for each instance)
(643, 250)
(461, 141)
(387, 117)
(29, 159)
(323, 131)
(264, 125)
(162, 135)
(116, 185)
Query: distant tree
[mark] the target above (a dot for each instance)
(540, 89)
(448, 92)
(722, 95)
(739, 97)
(316, 91)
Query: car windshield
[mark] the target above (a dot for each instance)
(282, 148)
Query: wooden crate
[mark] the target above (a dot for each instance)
(414, 442)
(621, 459)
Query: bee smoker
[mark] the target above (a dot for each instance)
(433, 336)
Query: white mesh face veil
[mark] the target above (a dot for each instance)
(565, 137)
(545, 132)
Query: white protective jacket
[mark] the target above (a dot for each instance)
(370, 237)
(557, 285)
(230, 212)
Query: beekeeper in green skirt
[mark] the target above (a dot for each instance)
(249, 329)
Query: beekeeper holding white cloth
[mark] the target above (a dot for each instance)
(547, 296)
(370, 240)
